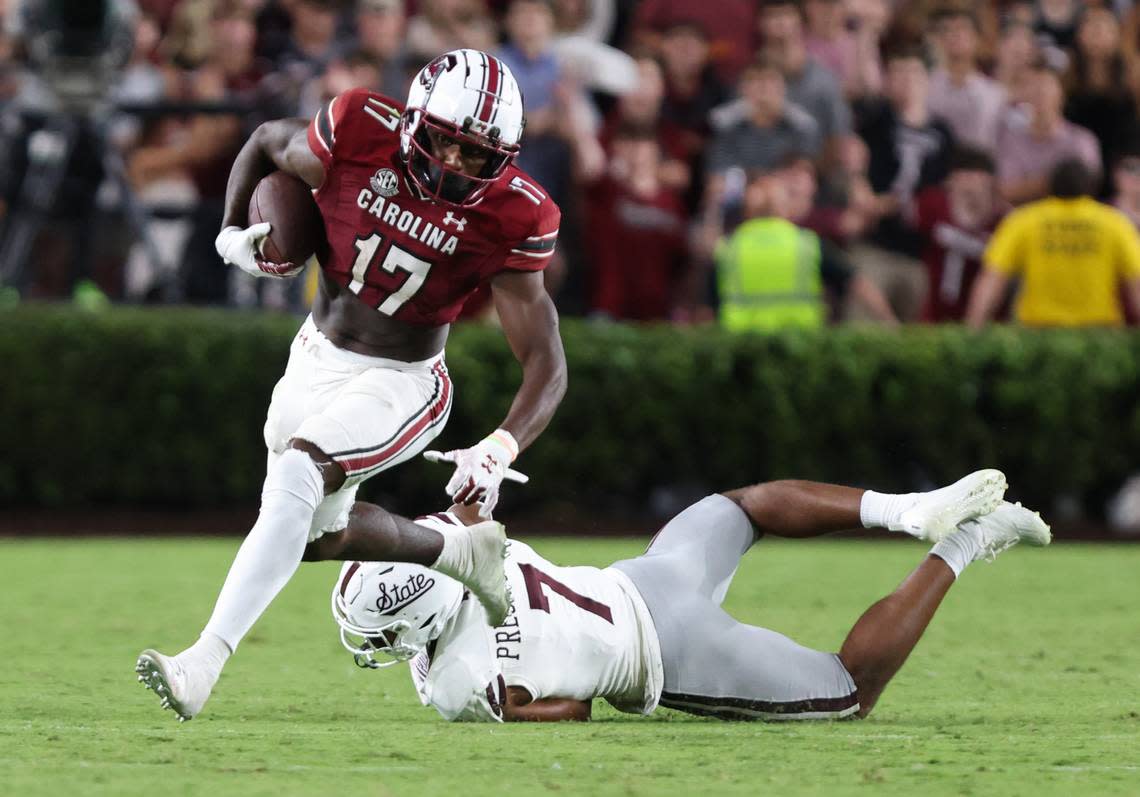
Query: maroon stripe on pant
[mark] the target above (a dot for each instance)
(355, 461)
(738, 708)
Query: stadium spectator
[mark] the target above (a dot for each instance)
(230, 73)
(845, 206)
(187, 40)
(580, 29)
(1056, 21)
(144, 81)
(442, 25)
(594, 20)
(312, 39)
(844, 39)
(1096, 85)
(558, 123)
(956, 220)
(827, 38)
(969, 101)
(771, 128)
(642, 108)
(809, 85)
(638, 253)
(1131, 33)
(1027, 153)
(380, 36)
(1016, 53)
(728, 25)
(839, 221)
(1075, 258)
(1126, 178)
(692, 88)
(772, 274)
(909, 151)
(868, 20)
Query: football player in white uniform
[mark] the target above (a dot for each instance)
(650, 631)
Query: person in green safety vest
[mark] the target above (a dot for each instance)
(773, 274)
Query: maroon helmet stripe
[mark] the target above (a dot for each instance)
(492, 95)
(348, 577)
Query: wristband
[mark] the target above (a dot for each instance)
(507, 441)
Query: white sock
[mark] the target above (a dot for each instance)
(273, 548)
(210, 652)
(959, 548)
(880, 510)
(455, 558)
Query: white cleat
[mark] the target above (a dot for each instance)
(938, 512)
(1005, 527)
(183, 691)
(481, 549)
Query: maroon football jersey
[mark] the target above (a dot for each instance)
(953, 256)
(408, 257)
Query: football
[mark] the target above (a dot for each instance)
(287, 203)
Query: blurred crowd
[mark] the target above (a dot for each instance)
(767, 163)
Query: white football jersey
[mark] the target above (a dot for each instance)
(579, 632)
(574, 632)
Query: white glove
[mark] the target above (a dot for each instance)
(242, 248)
(480, 470)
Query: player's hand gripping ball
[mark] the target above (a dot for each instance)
(285, 229)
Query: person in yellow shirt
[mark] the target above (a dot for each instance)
(1074, 255)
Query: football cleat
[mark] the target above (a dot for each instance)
(937, 513)
(479, 567)
(1005, 527)
(183, 691)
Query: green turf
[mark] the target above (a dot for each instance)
(1027, 683)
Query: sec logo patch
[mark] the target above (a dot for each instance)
(385, 182)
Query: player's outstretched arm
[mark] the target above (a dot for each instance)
(520, 708)
(278, 145)
(530, 323)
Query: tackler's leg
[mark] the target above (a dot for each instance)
(799, 509)
(884, 636)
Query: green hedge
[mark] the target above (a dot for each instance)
(165, 406)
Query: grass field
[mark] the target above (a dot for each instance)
(1028, 683)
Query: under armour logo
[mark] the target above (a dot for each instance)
(450, 219)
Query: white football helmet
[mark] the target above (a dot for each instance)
(391, 608)
(469, 96)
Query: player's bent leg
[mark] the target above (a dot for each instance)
(264, 563)
(794, 508)
(887, 632)
(698, 550)
(716, 666)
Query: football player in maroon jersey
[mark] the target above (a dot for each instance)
(422, 204)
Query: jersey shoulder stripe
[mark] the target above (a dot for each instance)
(324, 125)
